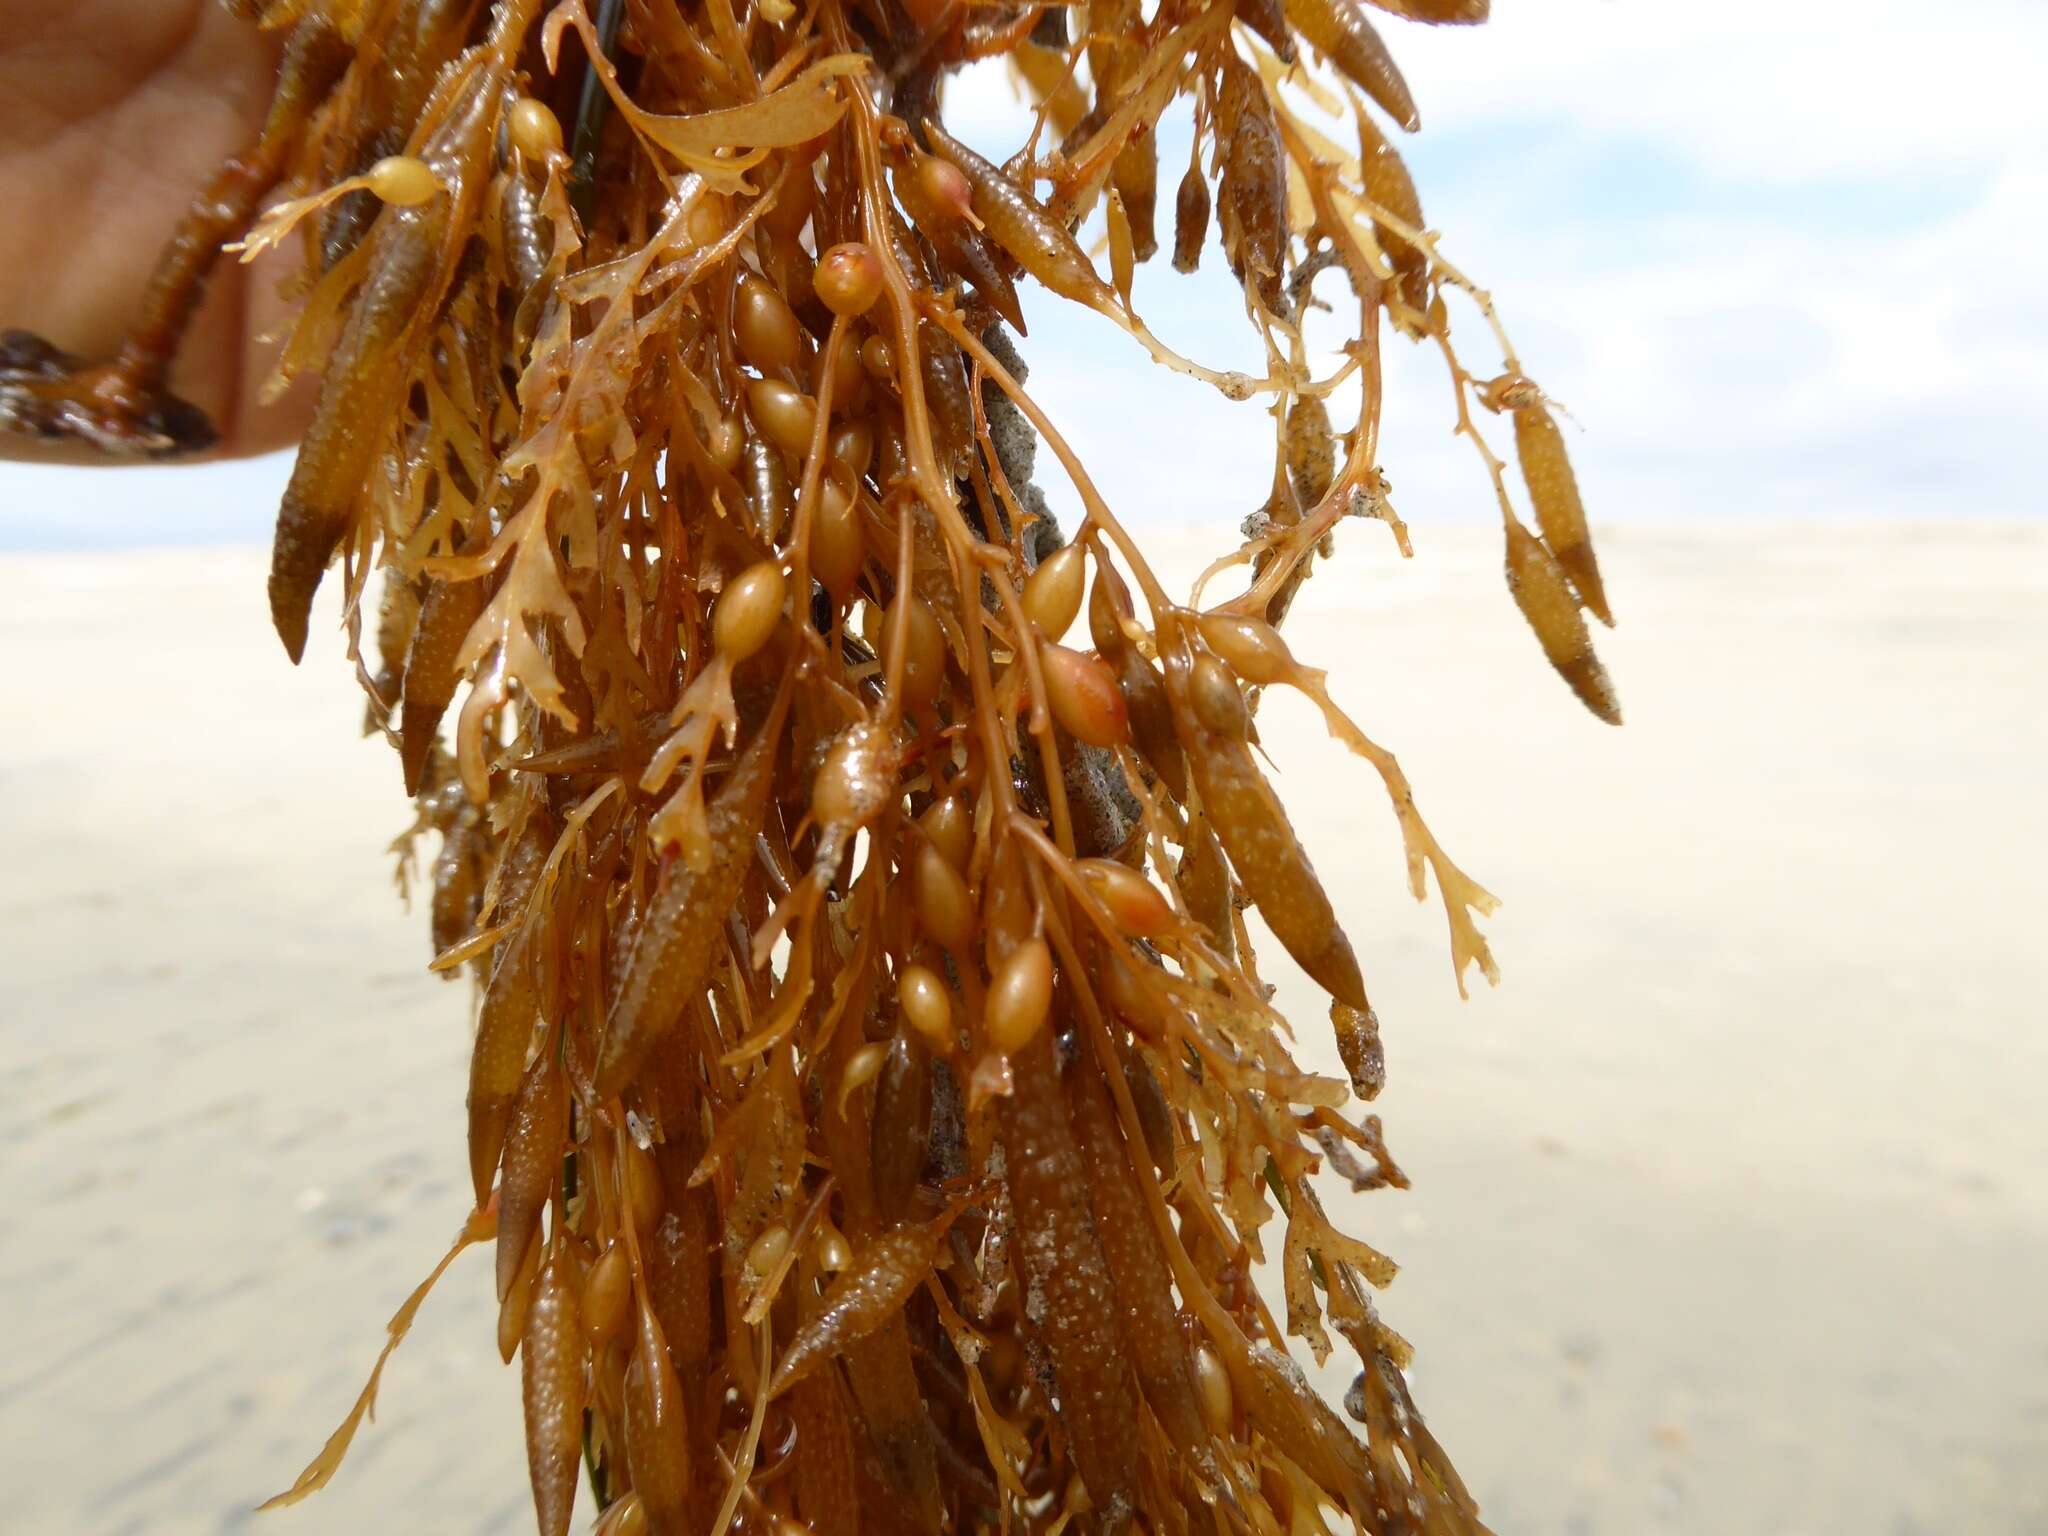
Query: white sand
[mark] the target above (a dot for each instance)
(1731, 1206)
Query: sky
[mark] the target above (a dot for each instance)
(1778, 260)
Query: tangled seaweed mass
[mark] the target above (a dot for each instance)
(875, 1105)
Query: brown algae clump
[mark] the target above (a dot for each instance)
(875, 1107)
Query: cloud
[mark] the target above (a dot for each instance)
(1768, 92)
(1778, 261)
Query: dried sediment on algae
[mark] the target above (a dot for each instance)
(875, 1106)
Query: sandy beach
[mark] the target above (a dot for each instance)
(1731, 1204)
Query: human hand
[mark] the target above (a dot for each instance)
(112, 114)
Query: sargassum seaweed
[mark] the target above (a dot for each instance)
(876, 1109)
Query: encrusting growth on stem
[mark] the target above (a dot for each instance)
(875, 1100)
